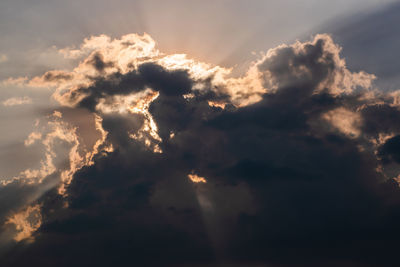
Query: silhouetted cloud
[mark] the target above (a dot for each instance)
(295, 163)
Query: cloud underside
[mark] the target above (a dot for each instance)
(295, 162)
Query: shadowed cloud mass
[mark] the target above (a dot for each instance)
(174, 162)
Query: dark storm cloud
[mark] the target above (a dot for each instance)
(381, 118)
(151, 75)
(291, 180)
(390, 151)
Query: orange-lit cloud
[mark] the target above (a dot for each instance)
(26, 222)
(196, 179)
(283, 79)
(344, 120)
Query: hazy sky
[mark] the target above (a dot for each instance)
(221, 32)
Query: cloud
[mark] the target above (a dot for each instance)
(64, 153)
(26, 222)
(316, 64)
(16, 101)
(344, 120)
(32, 138)
(20, 81)
(293, 163)
(197, 179)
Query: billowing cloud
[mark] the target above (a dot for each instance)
(293, 163)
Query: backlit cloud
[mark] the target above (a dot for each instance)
(26, 222)
(295, 155)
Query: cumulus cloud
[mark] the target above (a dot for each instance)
(294, 163)
(316, 64)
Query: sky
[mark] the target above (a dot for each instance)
(199, 133)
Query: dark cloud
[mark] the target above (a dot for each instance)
(287, 185)
(381, 118)
(169, 83)
(98, 63)
(54, 76)
(284, 65)
(390, 150)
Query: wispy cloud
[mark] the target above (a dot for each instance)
(15, 101)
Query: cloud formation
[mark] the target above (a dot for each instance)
(15, 101)
(294, 163)
(26, 222)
